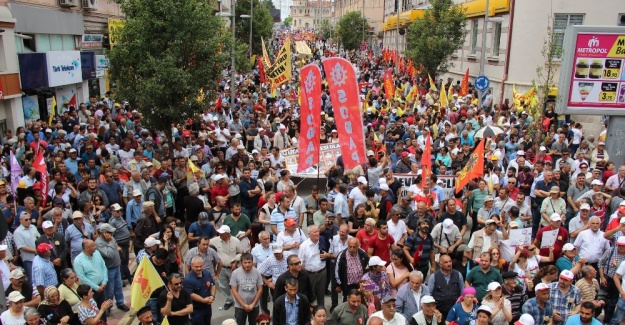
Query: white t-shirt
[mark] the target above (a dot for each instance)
(8, 319)
(620, 271)
(126, 156)
(358, 197)
(285, 239)
(396, 230)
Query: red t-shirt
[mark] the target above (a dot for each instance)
(366, 239)
(561, 239)
(382, 247)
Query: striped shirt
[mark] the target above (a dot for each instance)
(278, 217)
(610, 261)
(43, 272)
(274, 268)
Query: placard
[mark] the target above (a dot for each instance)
(31, 108)
(64, 68)
(520, 237)
(549, 238)
(101, 62)
(592, 80)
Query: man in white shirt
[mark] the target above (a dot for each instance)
(314, 261)
(4, 267)
(616, 181)
(590, 243)
(357, 194)
(396, 228)
(389, 314)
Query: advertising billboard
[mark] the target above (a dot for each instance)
(592, 75)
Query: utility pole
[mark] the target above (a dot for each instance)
(251, 21)
(232, 93)
(483, 54)
(397, 26)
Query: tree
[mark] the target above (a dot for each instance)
(433, 39)
(163, 64)
(288, 21)
(351, 29)
(269, 4)
(261, 23)
(326, 30)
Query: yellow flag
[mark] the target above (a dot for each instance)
(52, 110)
(145, 282)
(192, 169)
(165, 321)
(443, 97)
(266, 60)
(252, 59)
(432, 84)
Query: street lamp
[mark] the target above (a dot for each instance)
(483, 54)
(232, 84)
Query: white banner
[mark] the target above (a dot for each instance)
(520, 237)
(64, 68)
(549, 238)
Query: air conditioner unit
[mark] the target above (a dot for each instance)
(68, 3)
(90, 4)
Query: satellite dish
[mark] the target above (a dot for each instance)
(402, 31)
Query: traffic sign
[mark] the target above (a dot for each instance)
(482, 83)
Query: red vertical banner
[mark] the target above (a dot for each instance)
(40, 165)
(343, 86)
(310, 122)
(389, 87)
(464, 85)
(426, 161)
(261, 70)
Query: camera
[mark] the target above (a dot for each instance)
(330, 223)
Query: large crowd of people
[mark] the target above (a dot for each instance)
(382, 251)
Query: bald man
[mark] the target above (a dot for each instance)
(91, 270)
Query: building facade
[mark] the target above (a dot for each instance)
(284, 6)
(52, 48)
(373, 11)
(515, 35)
(310, 14)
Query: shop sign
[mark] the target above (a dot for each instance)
(101, 62)
(91, 41)
(64, 68)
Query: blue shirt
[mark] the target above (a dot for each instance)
(112, 191)
(458, 315)
(277, 217)
(72, 165)
(201, 230)
(340, 206)
(91, 270)
(292, 310)
(260, 254)
(75, 236)
(199, 285)
(133, 212)
(575, 320)
(43, 273)
(531, 307)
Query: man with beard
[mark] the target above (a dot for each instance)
(585, 316)
(482, 275)
(419, 248)
(201, 286)
(175, 303)
(247, 285)
(564, 297)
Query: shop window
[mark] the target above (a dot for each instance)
(474, 29)
(42, 43)
(621, 19)
(561, 21)
(56, 42)
(496, 38)
(3, 61)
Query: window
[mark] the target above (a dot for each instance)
(474, 28)
(496, 38)
(621, 20)
(561, 21)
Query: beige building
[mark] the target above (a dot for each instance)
(514, 37)
(51, 48)
(310, 14)
(373, 11)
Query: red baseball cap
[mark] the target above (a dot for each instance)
(44, 248)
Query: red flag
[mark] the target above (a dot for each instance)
(389, 86)
(341, 78)
(426, 161)
(40, 165)
(261, 70)
(464, 86)
(310, 123)
(218, 104)
(474, 167)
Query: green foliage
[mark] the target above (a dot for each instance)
(261, 23)
(241, 60)
(269, 4)
(162, 62)
(325, 30)
(288, 21)
(433, 39)
(350, 29)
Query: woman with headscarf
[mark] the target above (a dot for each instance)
(57, 311)
(463, 312)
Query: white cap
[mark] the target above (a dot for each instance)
(47, 224)
(276, 248)
(448, 226)
(219, 177)
(567, 275)
(223, 229)
(427, 299)
(486, 309)
(526, 319)
(555, 217)
(254, 151)
(72, 150)
(376, 261)
(524, 112)
(596, 182)
(622, 220)
(384, 187)
(362, 179)
(240, 147)
(584, 206)
(541, 286)
(151, 241)
(568, 247)
(493, 286)
(542, 148)
(520, 153)
(3, 248)
(137, 192)
(620, 241)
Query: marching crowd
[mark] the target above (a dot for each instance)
(382, 251)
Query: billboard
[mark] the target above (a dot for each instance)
(592, 77)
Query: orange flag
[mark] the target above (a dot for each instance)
(389, 87)
(474, 167)
(464, 86)
(426, 161)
